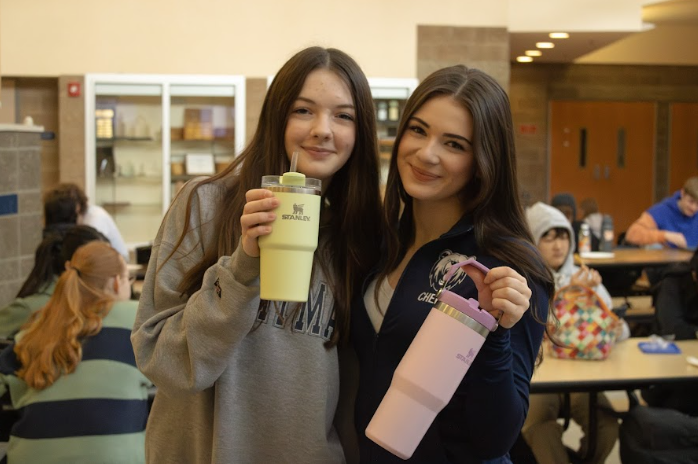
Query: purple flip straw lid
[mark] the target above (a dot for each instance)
(469, 306)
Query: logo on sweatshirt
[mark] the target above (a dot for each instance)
(438, 272)
(446, 259)
(315, 318)
(297, 214)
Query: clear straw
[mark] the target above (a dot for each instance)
(294, 161)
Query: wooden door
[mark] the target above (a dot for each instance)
(683, 144)
(604, 150)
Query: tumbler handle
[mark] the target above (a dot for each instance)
(456, 266)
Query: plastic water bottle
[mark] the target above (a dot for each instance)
(606, 233)
(584, 239)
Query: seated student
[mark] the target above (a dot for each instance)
(49, 262)
(591, 215)
(676, 307)
(72, 374)
(673, 222)
(676, 300)
(94, 215)
(566, 203)
(60, 212)
(553, 234)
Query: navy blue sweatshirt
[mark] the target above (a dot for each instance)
(483, 419)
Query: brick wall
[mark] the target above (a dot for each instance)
(484, 48)
(38, 98)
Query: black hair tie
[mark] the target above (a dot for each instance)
(70, 266)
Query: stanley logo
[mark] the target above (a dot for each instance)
(467, 359)
(297, 214)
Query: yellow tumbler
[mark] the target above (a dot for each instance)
(286, 254)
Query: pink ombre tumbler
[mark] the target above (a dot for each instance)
(431, 370)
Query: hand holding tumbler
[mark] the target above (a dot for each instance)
(286, 254)
(431, 369)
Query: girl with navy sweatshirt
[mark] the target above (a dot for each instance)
(452, 195)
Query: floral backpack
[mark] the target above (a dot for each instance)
(587, 328)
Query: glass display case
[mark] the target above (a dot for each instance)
(146, 135)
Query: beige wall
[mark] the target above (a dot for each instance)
(576, 15)
(41, 37)
(253, 38)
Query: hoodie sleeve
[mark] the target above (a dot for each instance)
(184, 344)
(13, 316)
(644, 231)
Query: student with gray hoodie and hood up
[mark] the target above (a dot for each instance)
(553, 235)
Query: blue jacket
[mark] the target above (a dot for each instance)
(668, 216)
(483, 419)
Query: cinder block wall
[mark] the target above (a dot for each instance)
(21, 212)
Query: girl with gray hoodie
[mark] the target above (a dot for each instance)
(554, 237)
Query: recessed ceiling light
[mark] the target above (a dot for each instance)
(534, 53)
(524, 59)
(559, 35)
(545, 45)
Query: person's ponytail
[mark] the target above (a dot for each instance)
(51, 342)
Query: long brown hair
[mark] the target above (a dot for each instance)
(351, 203)
(500, 226)
(51, 345)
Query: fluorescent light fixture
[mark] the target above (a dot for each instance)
(545, 45)
(524, 59)
(534, 53)
(559, 35)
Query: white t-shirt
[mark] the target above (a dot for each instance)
(99, 218)
(385, 294)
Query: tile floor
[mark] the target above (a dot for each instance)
(619, 400)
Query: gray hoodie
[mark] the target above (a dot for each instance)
(541, 218)
(235, 385)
